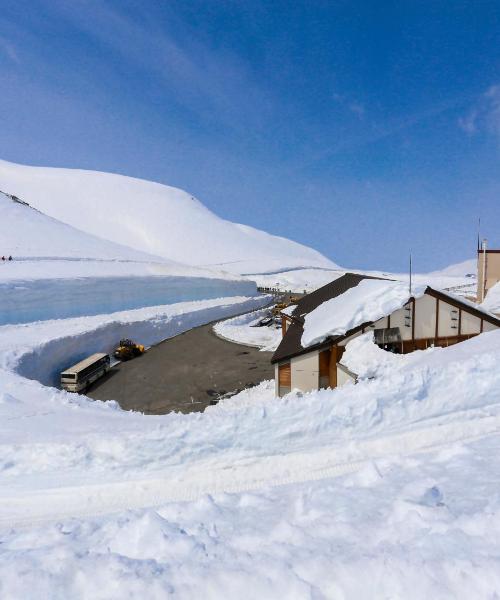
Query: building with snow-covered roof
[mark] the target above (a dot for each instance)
(488, 270)
(316, 332)
(492, 301)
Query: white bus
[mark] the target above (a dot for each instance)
(80, 376)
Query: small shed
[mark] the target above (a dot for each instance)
(316, 331)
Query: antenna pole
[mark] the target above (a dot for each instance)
(478, 233)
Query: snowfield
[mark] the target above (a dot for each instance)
(26, 232)
(455, 278)
(152, 218)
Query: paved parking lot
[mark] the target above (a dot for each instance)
(183, 374)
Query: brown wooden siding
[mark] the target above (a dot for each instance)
(324, 363)
(285, 375)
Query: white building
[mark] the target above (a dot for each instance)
(316, 332)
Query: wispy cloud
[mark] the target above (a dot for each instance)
(357, 108)
(353, 106)
(212, 82)
(9, 50)
(484, 116)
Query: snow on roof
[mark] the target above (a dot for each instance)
(492, 301)
(369, 301)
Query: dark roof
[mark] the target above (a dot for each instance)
(291, 346)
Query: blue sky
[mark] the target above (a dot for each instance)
(363, 129)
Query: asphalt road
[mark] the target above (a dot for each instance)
(183, 374)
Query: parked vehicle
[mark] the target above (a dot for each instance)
(128, 349)
(78, 377)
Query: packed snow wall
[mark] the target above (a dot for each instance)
(60, 344)
(42, 299)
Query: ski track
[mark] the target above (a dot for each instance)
(29, 509)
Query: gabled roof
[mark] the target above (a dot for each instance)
(291, 344)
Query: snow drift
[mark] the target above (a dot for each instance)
(153, 218)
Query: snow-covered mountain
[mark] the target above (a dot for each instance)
(153, 218)
(28, 233)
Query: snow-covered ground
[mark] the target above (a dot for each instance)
(395, 477)
(243, 330)
(422, 527)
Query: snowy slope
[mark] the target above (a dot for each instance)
(153, 218)
(26, 232)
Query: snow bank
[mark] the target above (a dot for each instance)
(42, 350)
(421, 527)
(369, 301)
(242, 330)
(40, 299)
(364, 358)
(152, 218)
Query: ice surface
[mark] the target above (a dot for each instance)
(369, 301)
(325, 486)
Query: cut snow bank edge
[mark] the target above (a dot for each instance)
(34, 300)
(45, 348)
